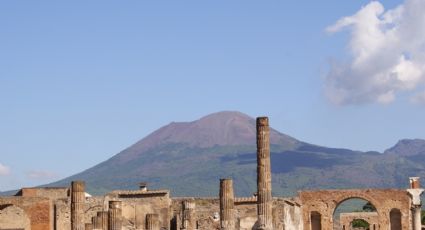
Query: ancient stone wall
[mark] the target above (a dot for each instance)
(37, 209)
(207, 217)
(53, 193)
(13, 217)
(292, 214)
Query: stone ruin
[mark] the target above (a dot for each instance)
(73, 209)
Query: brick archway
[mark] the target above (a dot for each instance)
(384, 200)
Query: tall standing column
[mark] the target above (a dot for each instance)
(77, 205)
(264, 183)
(227, 205)
(152, 222)
(115, 215)
(415, 192)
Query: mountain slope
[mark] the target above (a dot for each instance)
(190, 157)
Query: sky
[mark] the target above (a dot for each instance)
(82, 80)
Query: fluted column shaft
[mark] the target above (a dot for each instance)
(77, 205)
(103, 218)
(97, 222)
(115, 215)
(264, 184)
(152, 222)
(188, 217)
(227, 205)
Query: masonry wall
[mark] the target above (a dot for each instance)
(384, 200)
(35, 209)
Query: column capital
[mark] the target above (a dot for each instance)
(416, 193)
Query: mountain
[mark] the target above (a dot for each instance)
(189, 158)
(408, 147)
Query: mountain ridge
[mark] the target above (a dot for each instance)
(190, 157)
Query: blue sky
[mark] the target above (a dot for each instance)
(82, 80)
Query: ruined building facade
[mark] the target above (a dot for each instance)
(73, 209)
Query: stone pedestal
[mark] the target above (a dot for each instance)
(227, 205)
(264, 184)
(77, 205)
(115, 215)
(152, 222)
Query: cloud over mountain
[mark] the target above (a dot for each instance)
(4, 170)
(387, 55)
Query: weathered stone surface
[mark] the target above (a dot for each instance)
(264, 183)
(103, 218)
(89, 226)
(38, 210)
(346, 219)
(189, 221)
(384, 200)
(13, 217)
(77, 205)
(115, 215)
(227, 205)
(152, 222)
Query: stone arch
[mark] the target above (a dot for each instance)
(326, 201)
(348, 196)
(13, 217)
(341, 197)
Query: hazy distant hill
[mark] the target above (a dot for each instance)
(190, 157)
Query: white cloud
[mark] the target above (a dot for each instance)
(41, 175)
(4, 170)
(387, 54)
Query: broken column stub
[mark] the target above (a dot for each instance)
(188, 215)
(115, 215)
(77, 205)
(227, 205)
(264, 184)
(152, 222)
(101, 220)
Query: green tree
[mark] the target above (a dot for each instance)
(368, 207)
(359, 223)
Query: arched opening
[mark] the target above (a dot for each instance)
(316, 220)
(13, 217)
(355, 214)
(395, 219)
